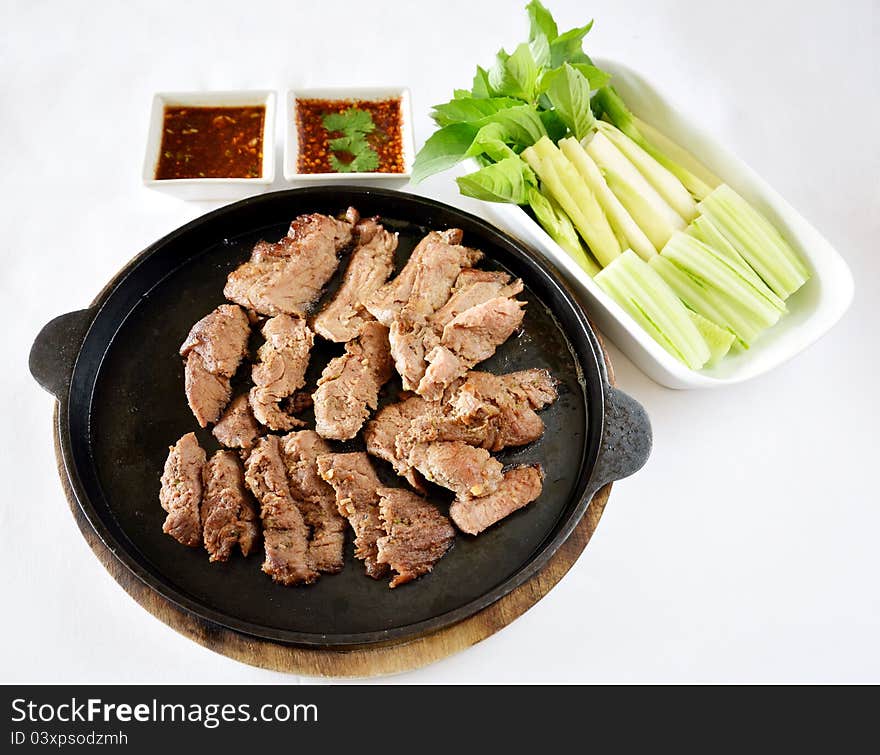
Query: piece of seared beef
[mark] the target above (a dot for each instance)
(229, 516)
(381, 433)
(491, 411)
(280, 370)
(285, 533)
(371, 263)
(388, 300)
(521, 486)
(206, 393)
(287, 277)
(436, 270)
(348, 390)
(181, 492)
(237, 428)
(418, 534)
(356, 484)
(315, 498)
(473, 287)
(468, 339)
(214, 348)
(462, 468)
(220, 338)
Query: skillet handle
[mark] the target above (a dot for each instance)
(626, 439)
(55, 349)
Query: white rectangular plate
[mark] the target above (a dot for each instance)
(813, 310)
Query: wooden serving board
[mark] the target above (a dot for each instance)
(373, 661)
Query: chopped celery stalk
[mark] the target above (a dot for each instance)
(704, 263)
(559, 227)
(633, 284)
(569, 190)
(666, 184)
(755, 238)
(711, 303)
(704, 229)
(650, 211)
(679, 154)
(719, 340)
(621, 221)
(616, 111)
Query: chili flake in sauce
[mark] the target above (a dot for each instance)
(211, 142)
(314, 139)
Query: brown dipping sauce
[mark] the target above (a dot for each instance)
(211, 142)
(386, 139)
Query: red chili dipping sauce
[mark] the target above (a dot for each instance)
(211, 142)
(365, 138)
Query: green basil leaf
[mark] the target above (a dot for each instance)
(568, 45)
(470, 109)
(541, 21)
(522, 125)
(596, 76)
(444, 148)
(570, 94)
(515, 75)
(540, 49)
(553, 124)
(460, 94)
(491, 140)
(480, 87)
(505, 181)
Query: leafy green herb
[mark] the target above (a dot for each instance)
(354, 144)
(445, 148)
(470, 109)
(515, 75)
(570, 94)
(350, 122)
(505, 181)
(480, 87)
(541, 21)
(354, 125)
(364, 162)
(539, 47)
(567, 47)
(491, 142)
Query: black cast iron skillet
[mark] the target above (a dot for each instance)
(118, 379)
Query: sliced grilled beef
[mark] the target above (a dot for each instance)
(237, 428)
(387, 301)
(315, 498)
(220, 338)
(214, 348)
(285, 533)
(381, 433)
(458, 466)
(287, 277)
(371, 264)
(468, 339)
(206, 393)
(418, 534)
(356, 484)
(491, 411)
(436, 270)
(229, 516)
(521, 486)
(348, 389)
(281, 370)
(181, 492)
(473, 287)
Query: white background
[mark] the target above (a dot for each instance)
(747, 549)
